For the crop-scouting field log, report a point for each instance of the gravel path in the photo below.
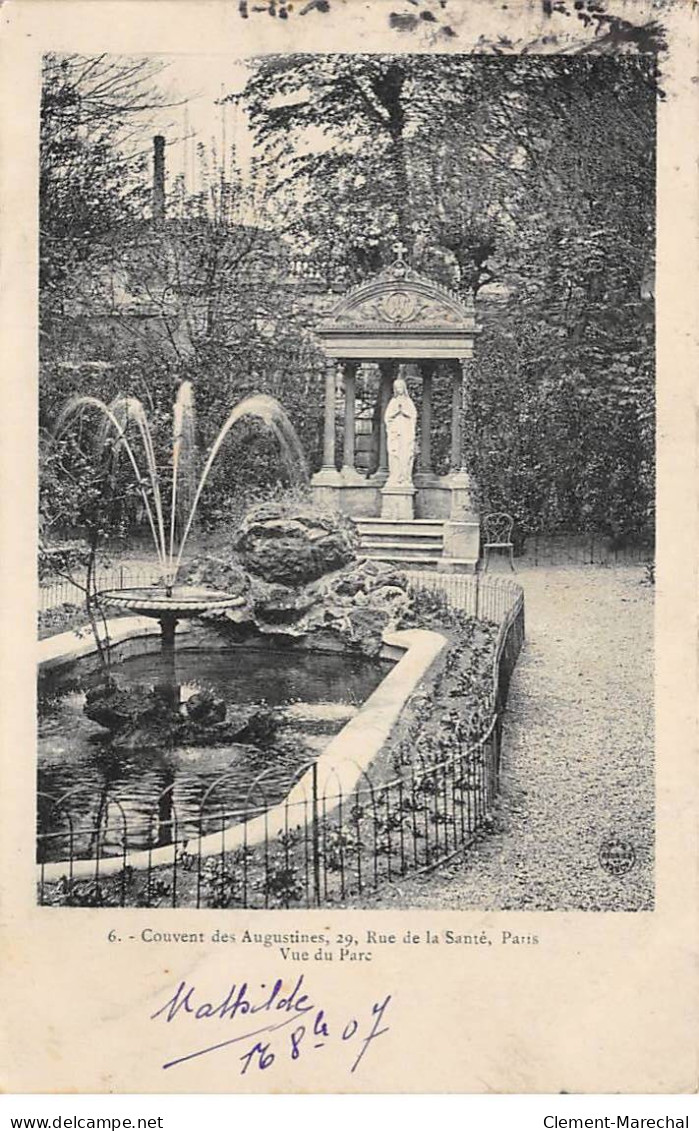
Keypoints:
(577, 765)
(577, 758)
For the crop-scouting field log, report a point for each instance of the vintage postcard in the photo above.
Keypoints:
(349, 543)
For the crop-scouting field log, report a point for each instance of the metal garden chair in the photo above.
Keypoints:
(497, 535)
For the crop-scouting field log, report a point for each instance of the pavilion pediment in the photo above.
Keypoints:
(399, 300)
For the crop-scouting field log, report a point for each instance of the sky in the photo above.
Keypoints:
(195, 83)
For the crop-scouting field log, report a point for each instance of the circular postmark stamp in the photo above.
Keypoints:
(617, 856)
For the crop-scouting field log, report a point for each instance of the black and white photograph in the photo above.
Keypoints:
(348, 463)
(347, 451)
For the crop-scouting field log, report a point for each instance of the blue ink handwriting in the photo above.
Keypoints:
(276, 1010)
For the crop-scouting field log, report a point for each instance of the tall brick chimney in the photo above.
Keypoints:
(158, 178)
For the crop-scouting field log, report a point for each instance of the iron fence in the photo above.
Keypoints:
(483, 597)
(582, 549)
(325, 844)
(63, 591)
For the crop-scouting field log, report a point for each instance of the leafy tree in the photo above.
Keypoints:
(339, 137)
(578, 324)
(204, 296)
(81, 490)
(91, 159)
(527, 181)
(531, 175)
(92, 188)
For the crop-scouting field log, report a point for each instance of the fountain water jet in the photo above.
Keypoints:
(168, 602)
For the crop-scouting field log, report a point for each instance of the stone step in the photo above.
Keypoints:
(402, 550)
(419, 545)
(399, 522)
(427, 541)
(421, 529)
(413, 560)
(401, 529)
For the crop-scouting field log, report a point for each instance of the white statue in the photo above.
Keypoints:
(400, 418)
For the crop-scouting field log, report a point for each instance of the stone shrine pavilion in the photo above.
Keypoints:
(400, 323)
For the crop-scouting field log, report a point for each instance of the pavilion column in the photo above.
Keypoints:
(468, 439)
(425, 460)
(330, 408)
(463, 499)
(456, 456)
(386, 390)
(350, 401)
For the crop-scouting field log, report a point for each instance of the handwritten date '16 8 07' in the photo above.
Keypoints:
(278, 1024)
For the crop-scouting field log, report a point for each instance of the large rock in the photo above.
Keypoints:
(304, 581)
(363, 579)
(363, 629)
(294, 548)
(274, 604)
(142, 717)
(348, 610)
(204, 707)
(360, 603)
(119, 709)
(210, 572)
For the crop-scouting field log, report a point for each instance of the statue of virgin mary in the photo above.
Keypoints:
(400, 418)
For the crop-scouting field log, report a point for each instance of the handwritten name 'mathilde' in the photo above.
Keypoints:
(235, 1002)
(273, 1009)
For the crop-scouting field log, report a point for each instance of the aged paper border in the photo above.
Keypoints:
(606, 1002)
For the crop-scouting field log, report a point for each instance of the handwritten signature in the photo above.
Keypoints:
(307, 1026)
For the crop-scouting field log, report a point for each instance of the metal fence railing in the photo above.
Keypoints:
(581, 549)
(481, 596)
(63, 591)
(322, 845)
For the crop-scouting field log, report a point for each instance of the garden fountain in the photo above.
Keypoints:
(168, 602)
(305, 720)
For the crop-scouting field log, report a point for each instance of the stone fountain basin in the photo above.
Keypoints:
(180, 602)
(338, 769)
